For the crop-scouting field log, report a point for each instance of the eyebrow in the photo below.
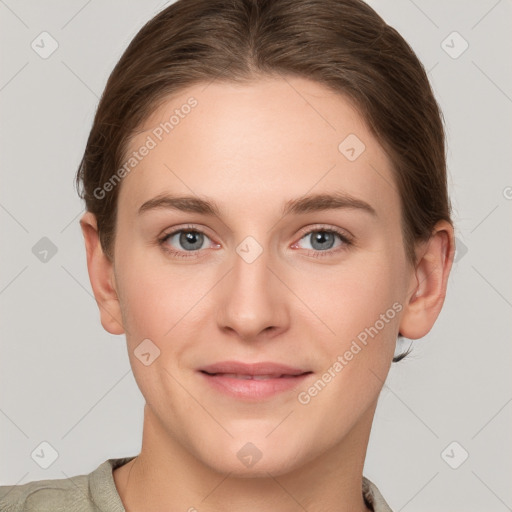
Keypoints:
(307, 204)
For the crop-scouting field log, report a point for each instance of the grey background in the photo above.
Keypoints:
(66, 381)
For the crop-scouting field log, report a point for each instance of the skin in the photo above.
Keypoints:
(251, 148)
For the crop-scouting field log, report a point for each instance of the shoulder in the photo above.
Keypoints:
(373, 497)
(45, 495)
(81, 493)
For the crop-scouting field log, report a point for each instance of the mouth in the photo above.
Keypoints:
(261, 369)
(245, 376)
(252, 382)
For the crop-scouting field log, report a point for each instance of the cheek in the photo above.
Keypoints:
(152, 297)
(362, 306)
(352, 298)
(158, 306)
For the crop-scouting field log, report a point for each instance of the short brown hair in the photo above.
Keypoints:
(342, 44)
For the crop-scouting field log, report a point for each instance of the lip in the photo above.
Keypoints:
(263, 368)
(281, 378)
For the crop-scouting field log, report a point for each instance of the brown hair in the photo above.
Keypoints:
(343, 44)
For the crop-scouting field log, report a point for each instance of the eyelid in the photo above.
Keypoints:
(322, 227)
(185, 227)
(188, 227)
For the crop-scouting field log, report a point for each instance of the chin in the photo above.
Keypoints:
(262, 469)
(247, 459)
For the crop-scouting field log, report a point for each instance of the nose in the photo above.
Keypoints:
(252, 301)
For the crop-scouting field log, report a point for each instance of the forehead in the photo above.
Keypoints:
(255, 144)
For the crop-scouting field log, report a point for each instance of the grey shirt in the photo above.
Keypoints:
(97, 492)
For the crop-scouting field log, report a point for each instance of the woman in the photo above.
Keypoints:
(267, 212)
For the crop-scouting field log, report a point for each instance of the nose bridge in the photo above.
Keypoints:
(251, 301)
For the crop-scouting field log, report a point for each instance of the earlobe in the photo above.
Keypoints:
(427, 287)
(101, 275)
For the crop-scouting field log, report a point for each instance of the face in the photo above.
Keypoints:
(288, 251)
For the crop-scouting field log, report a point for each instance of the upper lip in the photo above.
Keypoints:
(263, 368)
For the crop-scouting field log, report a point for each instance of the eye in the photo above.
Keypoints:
(182, 241)
(322, 240)
(188, 241)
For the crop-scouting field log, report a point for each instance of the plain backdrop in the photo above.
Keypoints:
(67, 382)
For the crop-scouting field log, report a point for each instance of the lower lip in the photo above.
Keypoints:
(251, 389)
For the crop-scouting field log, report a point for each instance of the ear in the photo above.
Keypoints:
(101, 275)
(427, 287)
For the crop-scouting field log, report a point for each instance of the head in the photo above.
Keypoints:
(250, 108)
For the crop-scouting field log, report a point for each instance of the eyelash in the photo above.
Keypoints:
(347, 242)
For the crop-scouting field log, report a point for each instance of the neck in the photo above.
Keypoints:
(166, 476)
